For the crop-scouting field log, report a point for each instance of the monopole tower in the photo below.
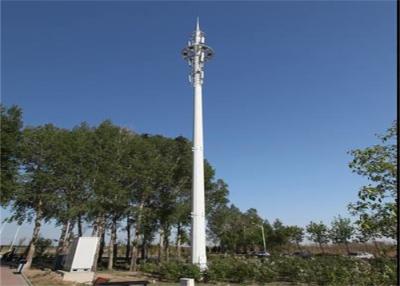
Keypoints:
(196, 54)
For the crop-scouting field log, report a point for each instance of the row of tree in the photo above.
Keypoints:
(241, 232)
(111, 178)
(104, 176)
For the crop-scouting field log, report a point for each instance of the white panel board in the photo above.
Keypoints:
(84, 253)
(81, 254)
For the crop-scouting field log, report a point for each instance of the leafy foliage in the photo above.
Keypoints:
(323, 270)
(174, 270)
(42, 245)
(376, 207)
(341, 231)
(105, 175)
(11, 124)
(296, 234)
(318, 233)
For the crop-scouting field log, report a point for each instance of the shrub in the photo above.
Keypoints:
(174, 270)
(266, 272)
(42, 244)
(337, 271)
(384, 271)
(234, 269)
(289, 269)
(149, 267)
(321, 270)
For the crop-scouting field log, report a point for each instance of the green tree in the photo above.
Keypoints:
(279, 236)
(253, 234)
(142, 160)
(11, 124)
(296, 234)
(110, 199)
(341, 231)
(376, 206)
(318, 233)
(182, 185)
(40, 193)
(225, 228)
(73, 170)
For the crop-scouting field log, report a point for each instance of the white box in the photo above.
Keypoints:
(186, 282)
(81, 254)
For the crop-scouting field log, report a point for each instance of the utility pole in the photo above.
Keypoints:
(196, 54)
(263, 236)
(15, 237)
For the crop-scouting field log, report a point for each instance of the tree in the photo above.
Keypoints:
(296, 235)
(182, 185)
(376, 206)
(11, 124)
(110, 199)
(40, 193)
(253, 234)
(225, 228)
(341, 231)
(279, 236)
(73, 169)
(107, 174)
(318, 233)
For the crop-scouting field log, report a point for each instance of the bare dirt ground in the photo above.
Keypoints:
(46, 278)
(50, 278)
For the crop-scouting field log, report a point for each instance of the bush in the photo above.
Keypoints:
(384, 271)
(290, 269)
(174, 270)
(322, 270)
(237, 270)
(338, 271)
(149, 267)
(42, 244)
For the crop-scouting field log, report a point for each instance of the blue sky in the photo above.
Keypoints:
(292, 88)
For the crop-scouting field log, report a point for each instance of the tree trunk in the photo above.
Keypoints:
(60, 246)
(378, 250)
(178, 241)
(115, 246)
(128, 238)
(68, 237)
(144, 249)
(102, 244)
(322, 248)
(27, 249)
(111, 246)
(79, 219)
(160, 246)
(95, 224)
(166, 244)
(35, 236)
(347, 247)
(63, 235)
(134, 256)
(134, 251)
(100, 233)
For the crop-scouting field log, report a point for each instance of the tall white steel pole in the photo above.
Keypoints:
(197, 53)
(15, 237)
(2, 227)
(263, 237)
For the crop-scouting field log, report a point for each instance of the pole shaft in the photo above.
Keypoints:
(198, 204)
(263, 236)
(15, 237)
